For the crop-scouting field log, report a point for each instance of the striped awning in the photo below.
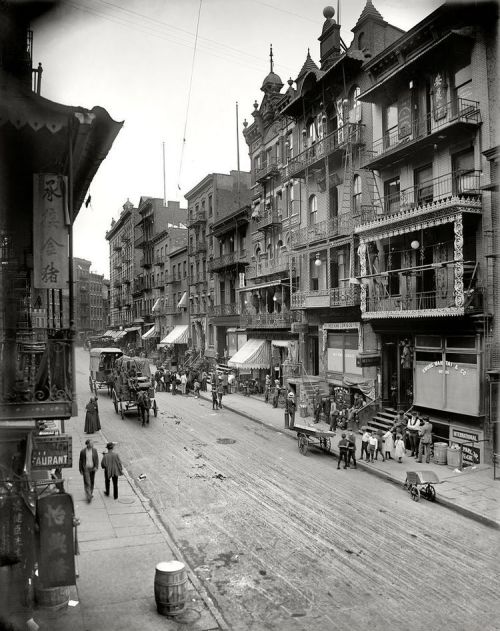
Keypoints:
(253, 354)
(280, 343)
(179, 335)
(149, 333)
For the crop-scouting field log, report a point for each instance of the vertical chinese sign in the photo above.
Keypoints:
(56, 561)
(50, 231)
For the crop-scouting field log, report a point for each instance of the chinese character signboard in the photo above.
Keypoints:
(439, 89)
(16, 531)
(51, 451)
(50, 231)
(56, 562)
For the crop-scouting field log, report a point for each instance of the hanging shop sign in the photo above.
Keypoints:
(16, 531)
(439, 89)
(362, 361)
(404, 117)
(56, 561)
(50, 231)
(50, 452)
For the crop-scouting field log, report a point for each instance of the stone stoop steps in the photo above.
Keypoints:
(383, 419)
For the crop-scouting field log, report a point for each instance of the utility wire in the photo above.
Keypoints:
(189, 96)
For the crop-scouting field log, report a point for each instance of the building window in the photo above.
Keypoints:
(313, 209)
(210, 206)
(356, 196)
(342, 351)
(392, 195)
(354, 104)
(422, 178)
(390, 124)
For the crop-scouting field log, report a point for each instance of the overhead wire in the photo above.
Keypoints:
(189, 96)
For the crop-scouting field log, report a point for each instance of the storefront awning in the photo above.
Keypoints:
(119, 334)
(149, 334)
(109, 333)
(179, 335)
(273, 283)
(183, 301)
(253, 354)
(131, 329)
(155, 306)
(280, 343)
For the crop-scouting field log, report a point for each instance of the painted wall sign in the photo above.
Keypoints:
(368, 360)
(50, 452)
(439, 88)
(444, 367)
(56, 561)
(50, 231)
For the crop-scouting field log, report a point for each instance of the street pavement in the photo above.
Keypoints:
(472, 492)
(121, 541)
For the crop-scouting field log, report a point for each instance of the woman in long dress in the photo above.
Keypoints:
(92, 423)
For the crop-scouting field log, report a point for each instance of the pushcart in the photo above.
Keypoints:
(313, 436)
(419, 483)
(101, 367)
(131, 376)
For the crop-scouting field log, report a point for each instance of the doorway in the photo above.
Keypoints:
(397, 371)
(313, 354)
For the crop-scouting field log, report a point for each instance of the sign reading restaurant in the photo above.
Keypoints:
(52, 451)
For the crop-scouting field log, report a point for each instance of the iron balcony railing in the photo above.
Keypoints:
(351, 132)
(222, 310)
(336, 226)
(267, 267)
(230, 258)
(267, 219)
(267, 320)
(435, 299)
(197, 217)
(40, 383)
(348, 296)
(267, 170)
(159, 260)
(457, 110)
(464, 185)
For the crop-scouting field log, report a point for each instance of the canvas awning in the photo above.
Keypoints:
(253, 354)
(131, 329)
(149, 333)
(183, 301)
(280, 343)
(109, 333)
(179, 335)
(119, 334)
(155, 306)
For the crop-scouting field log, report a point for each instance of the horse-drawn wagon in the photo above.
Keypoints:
(132, 386)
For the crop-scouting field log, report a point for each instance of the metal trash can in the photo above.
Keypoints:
(454, 457)
(440, 453)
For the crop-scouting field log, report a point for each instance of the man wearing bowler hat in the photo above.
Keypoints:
(112, 466)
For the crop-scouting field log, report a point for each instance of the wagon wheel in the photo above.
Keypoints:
(303, 444)
(415, 493)
(327, 444)
(115, 400)
(322, 442)
(155, 408)
(430, 493)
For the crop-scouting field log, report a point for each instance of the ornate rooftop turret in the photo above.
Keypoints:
(272, 83)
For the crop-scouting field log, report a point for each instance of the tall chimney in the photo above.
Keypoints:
(329, 39)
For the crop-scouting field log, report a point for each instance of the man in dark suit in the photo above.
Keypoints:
(88, 465)
(425, 445)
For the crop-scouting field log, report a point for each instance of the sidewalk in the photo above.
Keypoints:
(115, 589)
(472, 492)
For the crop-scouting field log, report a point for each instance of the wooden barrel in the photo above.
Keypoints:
(440, 453)
(170, 587)
(52, 598)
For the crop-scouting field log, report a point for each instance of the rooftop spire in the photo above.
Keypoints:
(271, 57)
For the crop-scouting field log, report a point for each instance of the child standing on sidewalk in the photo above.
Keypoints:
(388, 444)
(372, 446)
(399, 448)
(365, 440)
(380, 444)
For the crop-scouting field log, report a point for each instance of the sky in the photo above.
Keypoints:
(138, 60)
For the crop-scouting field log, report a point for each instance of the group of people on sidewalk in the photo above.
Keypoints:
(89, 464)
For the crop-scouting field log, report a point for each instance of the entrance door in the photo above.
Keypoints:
(314, 354)
(397, 371)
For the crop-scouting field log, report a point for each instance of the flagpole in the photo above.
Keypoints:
(164, 178)
(238, 153)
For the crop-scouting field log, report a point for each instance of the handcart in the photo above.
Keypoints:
(318, 435)
(421, 483)
(101, 367)
(132, 376)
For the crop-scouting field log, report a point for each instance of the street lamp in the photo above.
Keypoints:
(317, 261)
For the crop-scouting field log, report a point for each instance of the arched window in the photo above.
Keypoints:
(356, 195)
(361, 41)
(257, 251)
(313, 209)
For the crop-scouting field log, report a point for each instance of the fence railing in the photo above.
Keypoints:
(462, 184)
(456, 110)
